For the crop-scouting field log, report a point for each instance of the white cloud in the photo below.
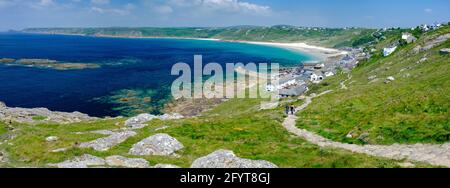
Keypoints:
(46, 2)
(163, 9)
(5, 3)
(121, 12)
(100, 2)
(428, 10)
(223, 5)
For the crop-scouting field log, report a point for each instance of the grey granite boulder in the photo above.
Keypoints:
(227, 159)
(120, 161)
(443, 51)
(166, 166)
(105, 143)
(51, 139)
(26, 115)
(139, 121)
(83, 161)
(159, 144)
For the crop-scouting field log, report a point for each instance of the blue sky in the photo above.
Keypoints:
(19, 14)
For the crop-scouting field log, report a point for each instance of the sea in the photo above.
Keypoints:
(134, 77)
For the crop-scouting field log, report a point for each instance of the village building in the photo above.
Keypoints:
(316, 77)
(409, 38)
(329, 73)
(293, 91)
(389, 50)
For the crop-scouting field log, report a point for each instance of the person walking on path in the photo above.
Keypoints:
(292, 110)
(287, 110)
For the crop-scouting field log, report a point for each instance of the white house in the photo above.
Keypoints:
(328, 74)
(286, 83)
(408, 37)
(270, 87)
(388, 51)
(316, 78)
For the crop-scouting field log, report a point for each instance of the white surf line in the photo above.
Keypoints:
(435, 154)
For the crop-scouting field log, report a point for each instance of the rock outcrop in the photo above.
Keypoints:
(389, 79)
(431, 43)
(27, 115)
(120, 161)
(139, 121)
(86, 161)
(48, 63)
(105, 143)
(83, 161)
(227, 159)
(166, 166)
(444, 51)
(51, 139)
(159, 144)
(7, 60)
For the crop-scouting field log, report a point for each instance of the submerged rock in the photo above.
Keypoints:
(159, 144)
(7, 60)
(227, 159)
(120, 161)
(48, 63)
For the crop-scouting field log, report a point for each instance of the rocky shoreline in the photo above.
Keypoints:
(42, 115)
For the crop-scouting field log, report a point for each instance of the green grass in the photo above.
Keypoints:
(412, 109)
(237, 125)
(39, 118)
(3, 129)
(409, 110)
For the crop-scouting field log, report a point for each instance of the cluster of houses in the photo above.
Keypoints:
(406, 38)
(295, 82)
(426, 28)
(409, 38)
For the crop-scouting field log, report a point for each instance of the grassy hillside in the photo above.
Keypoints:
(320, 36)
(236, 125)
(412, 109)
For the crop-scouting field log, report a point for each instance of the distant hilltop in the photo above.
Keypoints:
(321, 36)
(279, 33)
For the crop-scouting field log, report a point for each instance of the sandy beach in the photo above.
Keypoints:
(320, 52)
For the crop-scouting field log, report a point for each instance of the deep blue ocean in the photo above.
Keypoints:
(134, 76)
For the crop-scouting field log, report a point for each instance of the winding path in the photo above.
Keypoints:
(435, 154)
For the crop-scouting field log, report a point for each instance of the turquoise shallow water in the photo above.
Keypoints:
(134, 76)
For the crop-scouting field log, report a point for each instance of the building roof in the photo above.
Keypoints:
(294, 91)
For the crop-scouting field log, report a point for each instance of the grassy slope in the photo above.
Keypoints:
(409, 110)
(237, 125)
(413, 109)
